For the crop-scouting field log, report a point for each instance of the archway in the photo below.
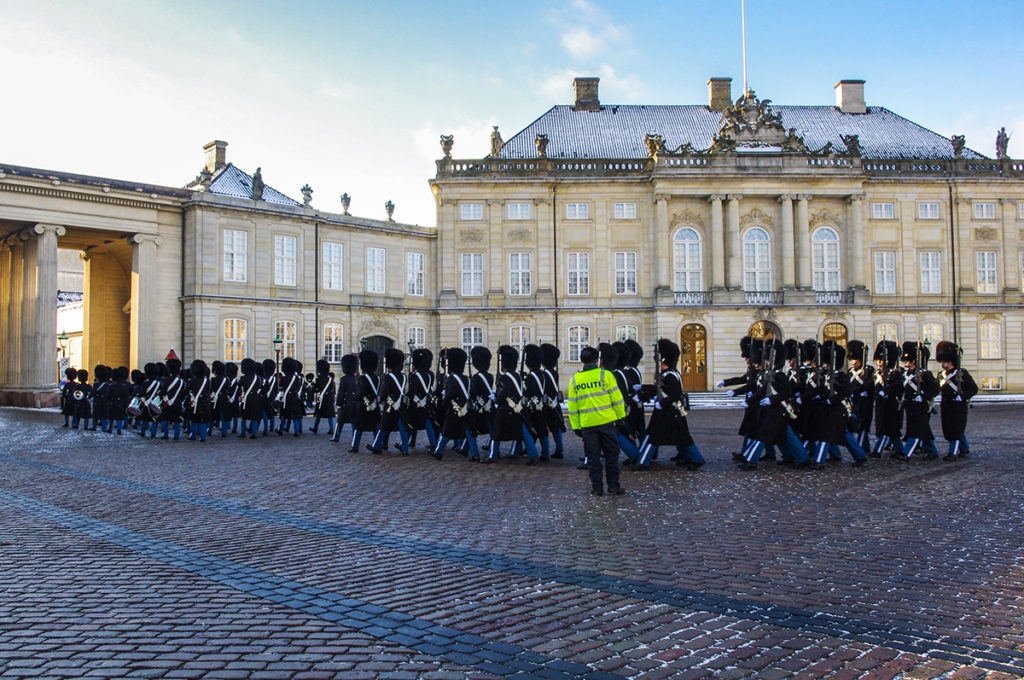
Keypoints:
(693, 364)
(765, 329)
(379, 344)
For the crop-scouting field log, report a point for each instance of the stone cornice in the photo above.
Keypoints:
(81, 196)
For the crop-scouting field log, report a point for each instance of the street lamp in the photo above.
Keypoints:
(62, 340)
(278, 342)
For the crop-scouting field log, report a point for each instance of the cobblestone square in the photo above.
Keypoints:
(291, 558)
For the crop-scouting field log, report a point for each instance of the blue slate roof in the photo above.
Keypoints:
(619, 131)
(230, 181)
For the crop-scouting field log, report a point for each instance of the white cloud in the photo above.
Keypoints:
(337, 91)
(590, 30)
(580, 43)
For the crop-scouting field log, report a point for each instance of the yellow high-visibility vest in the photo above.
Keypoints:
(594, 399)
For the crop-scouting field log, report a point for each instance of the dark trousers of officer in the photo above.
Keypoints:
(601, 442)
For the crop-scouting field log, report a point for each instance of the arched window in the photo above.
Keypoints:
(825, 259)
(836, 332)
(757, 263)
(765, 329)
(686, 258)
(334, 342)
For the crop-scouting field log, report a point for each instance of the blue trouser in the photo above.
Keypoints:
(111, 424)
(296, 425)
(381, 440)
(526, 441)
(268, 423)
(791, 448)
(316, 425)
(167, 426)
(75, 420)
(470, 440)
(254, 427)
(862, 439)
(628, 447)
(881, 442)
(926, 445)
(689, 454)
(557, 434)
(200, 429)
(852, 445)
(958, 446)
(357, 436)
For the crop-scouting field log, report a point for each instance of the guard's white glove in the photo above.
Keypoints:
(636, 398)
(635, 388)
(730, 393)
(881, 393)
(720, 384)
(828, 401)
(958, 398)
(799, 400)
(863, 394)
(766, 402)
(657, 405)
(749, 395)
(918, 398)
(492, 396)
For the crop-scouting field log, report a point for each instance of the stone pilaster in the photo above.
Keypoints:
(662, 248)
(803, 240)
(855, 255)
(717, 241)
(735, 270)
(788, 243)
(144, 309)
(15, 282)
(39, 307)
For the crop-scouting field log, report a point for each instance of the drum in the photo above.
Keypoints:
(134, 407)
(156, 405)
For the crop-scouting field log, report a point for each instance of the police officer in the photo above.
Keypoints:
(595, 404)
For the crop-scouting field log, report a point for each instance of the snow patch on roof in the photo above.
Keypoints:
(230, 181)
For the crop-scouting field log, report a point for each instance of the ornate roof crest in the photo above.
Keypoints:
(752, 120)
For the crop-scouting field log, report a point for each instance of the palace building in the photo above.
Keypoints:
(701, 223)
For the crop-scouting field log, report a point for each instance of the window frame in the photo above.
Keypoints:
(521, 341)
(376, 274)
(235, 255)
(234, 348)
(684, 251)
(472, 343)
(822, 269)
(622, 332)
(576, 345)
(927, 204)
(464, 272)
(882, 328)
(415, 278)
(626, 275)
(757, 272)
(882, 270)
(623, 214)
(980, 210)
(520, 278)
(928, 335)
(937, 269)
(573, 210)
(987, 277)
(287, 343)
(990, 348)
(883, 210)
(475, 211)
(577, 274)
(415, 337)
(333, 280)
(285, 264)
(334, 346)
(521, 208)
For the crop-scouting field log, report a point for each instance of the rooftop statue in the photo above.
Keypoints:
(959, 143)
(542, 145)
(496, 142)
(1002, 142)
(446, 145)
(257, 185)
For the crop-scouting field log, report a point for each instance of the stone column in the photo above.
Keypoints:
(5, 311)
(543, 266)
(1010, 281)
(735, 270)
(14, 292)
(855, 255)
(717, 241)
(447, 244)
(788, 243)
(663, 251)
(39, 308)
(803, 240)
(144, 308)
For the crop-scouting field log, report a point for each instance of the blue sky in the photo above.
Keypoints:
(352, 96)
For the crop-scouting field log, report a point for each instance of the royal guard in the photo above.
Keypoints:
(481, 391)
(919, 390)
(553, 397)
(421, 390)
(888, 393)
(957, 388)
(349, 405)
(250, 398)
(367, 389)
(668, 424)
(456, 423)
(862, 391)
(200, 404)
(509, 422)
(393, 386)
(533, 388)
(323, 396)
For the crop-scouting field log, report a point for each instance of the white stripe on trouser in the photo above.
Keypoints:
(820, 451)
(914, 442)
(956, 447)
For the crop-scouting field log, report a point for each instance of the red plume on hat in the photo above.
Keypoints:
(171, 355)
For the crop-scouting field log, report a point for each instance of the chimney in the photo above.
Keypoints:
(216, 155)
(719, 93)
(586, 94)
(850, 96)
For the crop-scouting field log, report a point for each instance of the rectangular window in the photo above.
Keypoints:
(414, 273)
(579, 337)
(375, 271)
(416, 337)
(927, 211)
(624, 211)
(472, 336)
(520, 336)
(472, 274)
(885, 273)
(333, 253)
(986, 260)
(579, 274)
(990, 341)
(885, 331)
(883, 211)
(472, 211)
(984, 211)
(286, 331)
(236, 247)
(931, 333)
(991, 384)
(334, 342)
(519, 211)
(625, 273)
(623, 333)
(284, 260)
(577, 211)
(931, 274)
(519, 274)
(234, 339)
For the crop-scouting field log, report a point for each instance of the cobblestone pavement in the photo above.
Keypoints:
(290, 558)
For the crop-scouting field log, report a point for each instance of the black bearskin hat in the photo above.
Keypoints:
(609, 355)
(623, 350)
(756, 350)
(162, 368)
(199, 369)
(174, 366)
(779, 355)
(368, 361)
(832, 353)
(636, 352)
(269, 368)
(532, 357)
(456, 360)
(809, 350)
(792, 349)
(248, 366)
(83, 375)
(745, 346)
(350, 364)
(508, 357)
(589, 355)
(888, 351)
(101, 372)
(912, 350)
(948, 351)
(856, 350)
(298, 366)
(481, 358)
(231, 370)
(152, 370)
(669, 352)
(217, 368)
(138, 377)
(394, 359)
(119, 374)
(323, 366)
(550, 355)
(70, 373)
(422, 358)
(288, 366)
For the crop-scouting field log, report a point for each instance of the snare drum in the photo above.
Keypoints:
(134, 407)
(156, 405)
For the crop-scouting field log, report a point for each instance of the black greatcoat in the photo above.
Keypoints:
(366, 393)
(230, 408)
(174, 391)
(269, 393)
(250, 397)
(553, 416)
(887, 408)
(635, 414)
(533, 383)
(323, 396)
(747, 386)
(220, 392)
(919, 383)
(101, 400)
(481, 407)
(392, 398)
(813, 409)
(349, 405)
(957, 383)
(80, 395)
(200, 405)
(454, 402)
(119, 394)
(67, 402)
(292, 388)
(833, 428)
(862, 397)
(668, 425)
(508, 419)
(772, 420)
(421, 384)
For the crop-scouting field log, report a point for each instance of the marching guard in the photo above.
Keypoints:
(888, 394)
(957, 388)
(391, 397)
(420, 392)
(668, 421)
(919, 389)
(553, 397)
(367, 389)
(509, 422)
(862, 391)
(323, 396)
(454, 406)
(349, 405)
(481, 391)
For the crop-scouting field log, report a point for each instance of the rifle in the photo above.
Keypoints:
(658, 376)
(520, 406)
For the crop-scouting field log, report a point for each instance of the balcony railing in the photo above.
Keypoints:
(763, 297)
(693, 298)
(833, 297)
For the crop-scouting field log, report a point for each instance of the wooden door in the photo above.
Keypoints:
(693, 364)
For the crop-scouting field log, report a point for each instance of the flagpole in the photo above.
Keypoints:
(743, 23)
